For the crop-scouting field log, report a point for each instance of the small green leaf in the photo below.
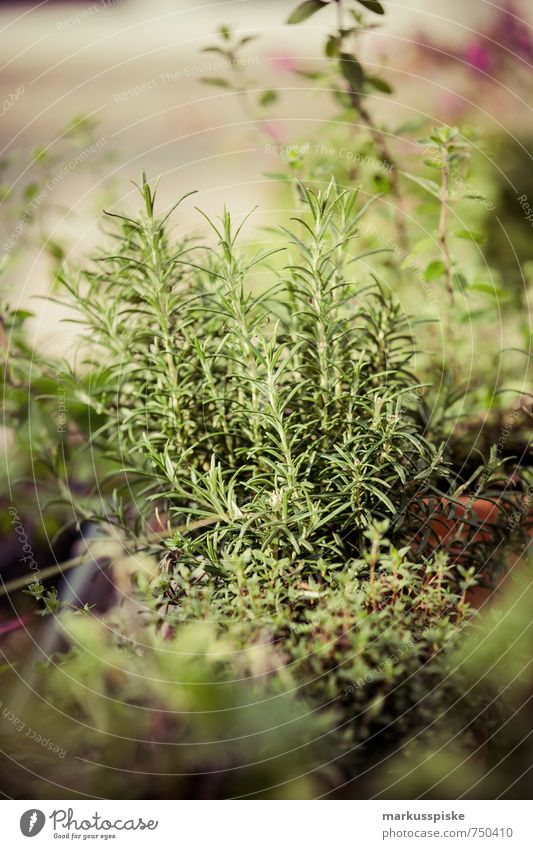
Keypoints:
(372, 6)
(422, 245)
(433, 270)
(352, 71)
(55, 250)
(216, 81)
(268, 97)
(305, 10)
(460, 280)
(490, 289)
(217, 50)
(379, 84)
(429, 185)
(470, 236)
(39, 154)
(23, 314)
(309, 75)
(332, 47)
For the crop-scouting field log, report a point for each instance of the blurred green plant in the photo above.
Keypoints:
(481, 748)
(279, 457)
(272, 683)
(284, 421)
(265, 449)
(442, 268)
(157, 719)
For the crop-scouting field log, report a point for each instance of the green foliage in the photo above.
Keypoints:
(281, 671)
(368, 641)
(194, 717)
(285, 420)
(259, 430)
(275, 437)
(481, 748)
(305, 10)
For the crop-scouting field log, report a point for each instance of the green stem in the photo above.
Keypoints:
(443, 228)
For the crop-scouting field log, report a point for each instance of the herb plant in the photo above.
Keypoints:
(284, 421)
(267, 464)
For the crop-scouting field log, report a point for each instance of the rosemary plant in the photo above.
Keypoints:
(283, 421)
(265, 448)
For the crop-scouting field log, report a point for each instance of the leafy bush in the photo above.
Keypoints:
(367, 641)
(283, 421)
(272, 682)
(479, 748)
(271, 448)
(157, 719)
(272, 442)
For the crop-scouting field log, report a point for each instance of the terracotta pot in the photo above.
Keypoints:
(474, 520)
(484, 514)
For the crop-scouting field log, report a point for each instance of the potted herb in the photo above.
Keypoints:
(281, 503)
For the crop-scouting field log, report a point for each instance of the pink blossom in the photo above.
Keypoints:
(477, 55)
(14, 624)
(274, 131)
(283, 63)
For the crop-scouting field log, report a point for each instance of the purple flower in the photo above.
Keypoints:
(510, 31)
(478, 56)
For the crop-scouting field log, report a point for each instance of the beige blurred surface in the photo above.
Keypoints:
(136, 67)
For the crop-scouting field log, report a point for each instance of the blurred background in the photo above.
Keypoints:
(134, 69)
(95, 92)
